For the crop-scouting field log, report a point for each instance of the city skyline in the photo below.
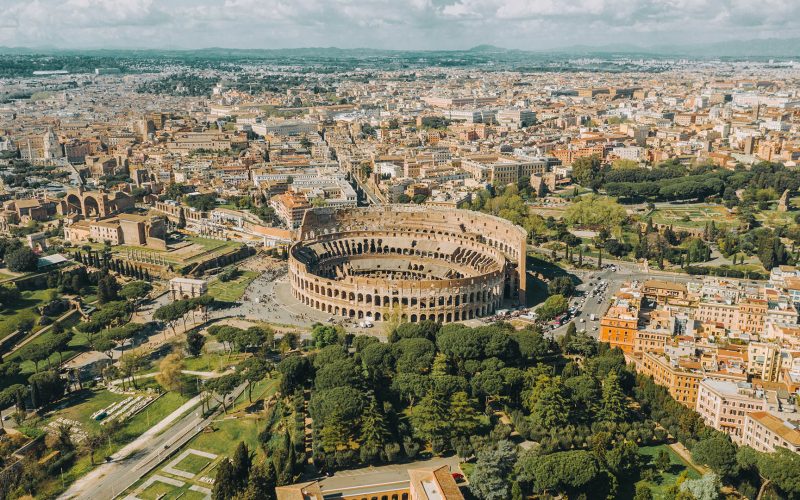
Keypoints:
(414, 24)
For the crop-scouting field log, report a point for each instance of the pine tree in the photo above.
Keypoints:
(262, 483)
(431, 417)
(440, 365)
(613, 405)
(374, 432)
(241, 466)
(224, 483)
(464, 418)
(335, 434)
(181, 219)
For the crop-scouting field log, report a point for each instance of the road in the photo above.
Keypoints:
(136, 459)
(372, 198)
(598, 305)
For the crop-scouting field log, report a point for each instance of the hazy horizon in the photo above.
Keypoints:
(391, 25)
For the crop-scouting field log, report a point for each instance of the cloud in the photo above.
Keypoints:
(388, 23)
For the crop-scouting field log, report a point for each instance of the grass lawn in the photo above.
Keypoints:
(86, 402)
(159, 490)
(227, 434)
(24, 308)
(231, 291)
(694, 215)
(76, 344)
(666, 479)
(150, 416)
(193, 463)
(208, 243)
(82, 404)
(209, 362)
(261, 389)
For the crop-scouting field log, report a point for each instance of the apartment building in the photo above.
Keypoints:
(723, 405)
(680, 377)
(661, 291)
(750, 318)
(501, 169)
(765, 431)
(290, 207)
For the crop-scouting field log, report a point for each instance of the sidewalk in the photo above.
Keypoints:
(103, 469)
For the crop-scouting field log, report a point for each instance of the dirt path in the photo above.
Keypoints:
(687, 457)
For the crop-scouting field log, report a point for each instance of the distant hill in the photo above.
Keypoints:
(762, 48)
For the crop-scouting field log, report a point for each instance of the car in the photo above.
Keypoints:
(458, 477)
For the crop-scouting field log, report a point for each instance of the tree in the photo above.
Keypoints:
(240, 466)
(295, 372)
(129, 363)
(224, 482)
(662, 461)
(170, 374)
(643, 492)
(107, 289)
(464, 418)
(253, 370)
(570, 472)
(782, 468)
(374, 432)
(555, 305)
(171, 313)
(719, 453)
(414, 355)
(550, 408)
(588, 171)
(91, 443)
(181, 219)
(194, 343)
(411, 386)
(222, 387)
(342, 372)
(431, 419)
(623, 459)
(21, 259)
(561, 285)
(135, 291)
(46, 387)
(489, 478)
(261, 485)
(614, 404)
(324, 335)
(705, 488)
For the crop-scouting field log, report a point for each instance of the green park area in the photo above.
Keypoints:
(660, 481)
(81, 405)
(23, 310)
(231, 291)
(187, 472)
(695, 215)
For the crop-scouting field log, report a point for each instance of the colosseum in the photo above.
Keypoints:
(417, 262)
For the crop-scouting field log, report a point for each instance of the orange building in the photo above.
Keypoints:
(751, 316)
(619, 327)
(681, 379)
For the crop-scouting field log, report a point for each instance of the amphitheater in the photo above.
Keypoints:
(416, 262)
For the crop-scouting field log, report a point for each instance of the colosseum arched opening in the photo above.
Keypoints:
(414, 262)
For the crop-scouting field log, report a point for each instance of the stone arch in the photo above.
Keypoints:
(74, 203)
(91, 207)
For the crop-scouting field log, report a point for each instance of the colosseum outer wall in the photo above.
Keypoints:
(422, 262)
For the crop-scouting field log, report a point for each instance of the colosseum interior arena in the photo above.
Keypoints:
(417, 262)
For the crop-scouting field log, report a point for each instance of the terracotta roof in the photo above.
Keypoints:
(777, 426)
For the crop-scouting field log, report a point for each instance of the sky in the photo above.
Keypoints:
(389, 24)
